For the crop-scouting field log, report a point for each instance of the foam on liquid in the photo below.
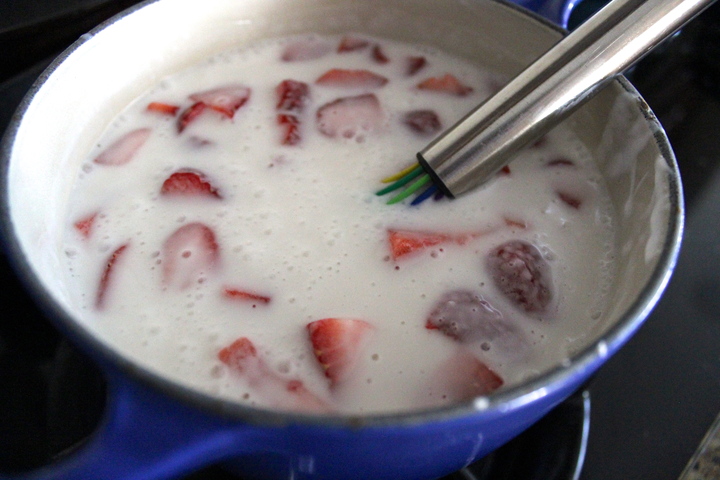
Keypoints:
(302, 224)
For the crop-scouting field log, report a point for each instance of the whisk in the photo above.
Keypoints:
(470, 152)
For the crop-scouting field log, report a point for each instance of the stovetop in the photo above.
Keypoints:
(640, 417)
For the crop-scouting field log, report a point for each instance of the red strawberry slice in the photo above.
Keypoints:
(226, 100)
(124, 149)
(189, 183)
(189, 115)
(405, 242)
(424, 122)
(163, 108)
(189, 253)
(292, 96)
(349, 117)
(466, 316)
(304, 50)
(414, 65)
(338, 344)
(85, 225)
(379, 55)
(339, 77)
(505, 171)
(447, 84)
(463, 376)
(351, 44)
(242, 357)
(107, 274)
(569, 199)
(245, 295)
(520, 272)
(290, 125)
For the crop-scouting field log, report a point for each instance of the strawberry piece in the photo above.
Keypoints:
(466, 316)
(124, 149)
(188, 183)
(188, 253)
(348, 117)
(378, 55)
(515, 223)
(163, 108)
(85, 225)
(463, 376)
(292, 96)
(226, 100)
(505, 170)
(352, 44)
(520, 272)
(245, 295)
(569, 199)
(414, 65)
(405, 242)
(106, 277)
(424, 122)
(304, 50)
(337, 344)
(291, 129)
(448, 84)
(339, 77)
(242, 357)
(189, 115)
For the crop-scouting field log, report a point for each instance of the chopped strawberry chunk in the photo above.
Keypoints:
(463, 376)
(379, 55)
(351, 44)
(106, 277)
(448, 84)
(292, 96)
(505, 170)
(466, 316)
(424, 122)
(85, 225)
(242, 357)
(124, 149)
(338, 77)
(189, 253)
(348, 117)
(414, 65)
(520, 272)
(338, 344)
(226, 100)
(291, 129)
(569, 199)
(405, 242)
(188, 183)
(304, 50)
(189, 115)
(515, 223)
(245, 295)
(164, 108)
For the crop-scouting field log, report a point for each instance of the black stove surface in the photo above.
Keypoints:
(651, 403)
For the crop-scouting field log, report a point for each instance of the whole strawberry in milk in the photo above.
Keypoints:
(225, 233)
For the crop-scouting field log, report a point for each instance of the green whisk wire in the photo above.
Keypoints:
(410, 190)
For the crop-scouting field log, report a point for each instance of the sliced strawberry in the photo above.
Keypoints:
(338, 344)
(505, 170)
(424, 122)
(463, 376)
(515, 223)
(189, 115)
(303, 50)
(569, 199)
(351, 44)
(520, 272)
(245, 295)
(124, 149)
(350, 116)
(106, 277)
(242, 357)
(338, 77)
(163, 108)
(448, 84)
(290, 125)
(405, 242)
(188, 183)
(414, 65)
(226, 100)
(292, 96)
(379, 55)
(85, 225)
(189, 253)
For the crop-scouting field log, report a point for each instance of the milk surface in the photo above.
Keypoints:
(301, 225)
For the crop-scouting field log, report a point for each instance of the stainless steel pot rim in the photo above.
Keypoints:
(505, 400)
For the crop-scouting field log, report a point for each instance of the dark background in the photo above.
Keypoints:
(651, 403)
